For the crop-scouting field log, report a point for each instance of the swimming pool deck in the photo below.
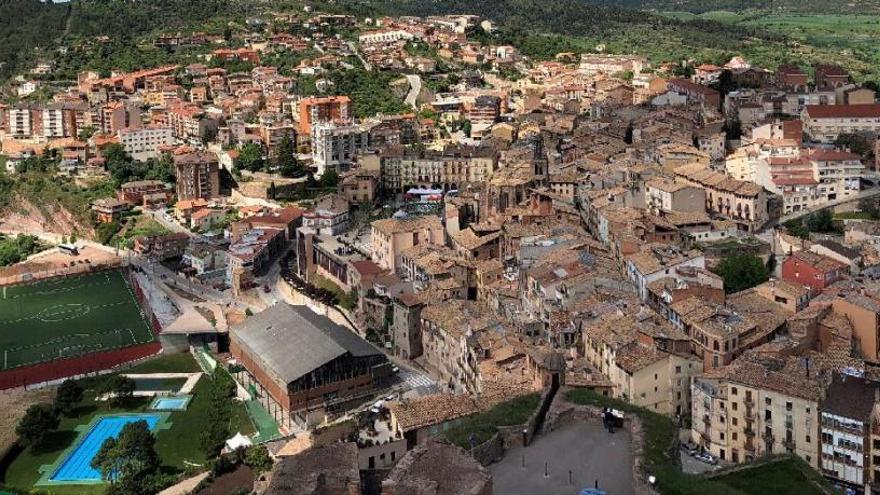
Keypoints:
(83, 431)
(155, 405)
(188, 386)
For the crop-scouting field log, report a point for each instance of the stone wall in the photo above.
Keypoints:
(490, 451)
(508, 437)
(563, 413)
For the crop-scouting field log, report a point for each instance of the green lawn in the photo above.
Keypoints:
(69, 316)
(176, 446)
(180, 362)
(485, 424)
(788, 476)
(162, 384)
(848, 39)
(854, 215)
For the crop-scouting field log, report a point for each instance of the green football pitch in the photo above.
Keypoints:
(68, 317)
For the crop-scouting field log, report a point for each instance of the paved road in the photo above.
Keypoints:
(415, 87)
(585, 449)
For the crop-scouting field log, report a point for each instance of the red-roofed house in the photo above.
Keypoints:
(812, 270)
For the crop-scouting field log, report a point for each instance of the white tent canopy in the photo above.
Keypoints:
(238, 441)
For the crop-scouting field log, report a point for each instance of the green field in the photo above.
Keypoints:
(68, 317)
(847, 39)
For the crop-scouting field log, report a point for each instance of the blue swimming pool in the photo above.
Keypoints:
(178, 403)
(77, 465)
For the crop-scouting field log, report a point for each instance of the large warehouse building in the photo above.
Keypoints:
(304, 366)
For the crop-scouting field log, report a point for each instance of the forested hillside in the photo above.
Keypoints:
(697, 6)
(29, 24)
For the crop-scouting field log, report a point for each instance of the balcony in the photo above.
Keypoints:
(749, 432)
(789, 444)
(748, 401)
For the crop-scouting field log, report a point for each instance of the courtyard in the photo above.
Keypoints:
(586, 450)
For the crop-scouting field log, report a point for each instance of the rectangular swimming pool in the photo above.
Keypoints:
(77, 465)
(177, 403)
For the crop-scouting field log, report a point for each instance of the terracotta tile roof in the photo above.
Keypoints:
(431, 410)
(869, 110)
(635, 357)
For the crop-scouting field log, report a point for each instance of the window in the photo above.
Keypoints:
(788, 406)
(733, 391)
(677, 370)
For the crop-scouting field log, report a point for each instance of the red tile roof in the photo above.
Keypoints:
(867, 110)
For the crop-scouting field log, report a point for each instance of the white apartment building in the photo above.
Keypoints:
(52, 123)
(824, 123)
(145, 143)
(337, 146)
(384, 36)
(838, 173)
(19, 122)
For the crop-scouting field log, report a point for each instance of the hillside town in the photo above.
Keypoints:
(699, 242)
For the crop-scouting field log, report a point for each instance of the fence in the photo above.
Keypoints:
(35, 271)
(75, 367)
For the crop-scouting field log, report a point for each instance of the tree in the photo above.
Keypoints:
(223, 389)
(69, 394)
(86, 132)
(869, 206)
(859, 143)
(329, 179)
(129, 458)
(285, 158)
(820, 221)
(741, 271)
(120, 388)
(250, 158)
(257, 457)
(37, 423)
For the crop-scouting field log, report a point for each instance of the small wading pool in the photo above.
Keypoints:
(170, 403)
(76, 467)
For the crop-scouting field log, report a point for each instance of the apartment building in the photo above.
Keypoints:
(761, 404)
(662, 194)
(384, 36)
(647, 360)
(746, 203)
(326, 109)
(446, 329)
(656, 261)
(198, 175)
(591, 64)
(846, 430)
(336, 146)
(146, 142)
(838, 172)
(452, 168)
(824, 123)
(390, 237)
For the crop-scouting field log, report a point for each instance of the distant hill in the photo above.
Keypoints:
(699, 6)
(29, 24)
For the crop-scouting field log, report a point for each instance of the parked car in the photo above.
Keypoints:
(690, 448)
(706, 457)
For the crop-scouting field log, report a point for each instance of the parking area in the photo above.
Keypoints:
(575, 456)
(691, 465)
